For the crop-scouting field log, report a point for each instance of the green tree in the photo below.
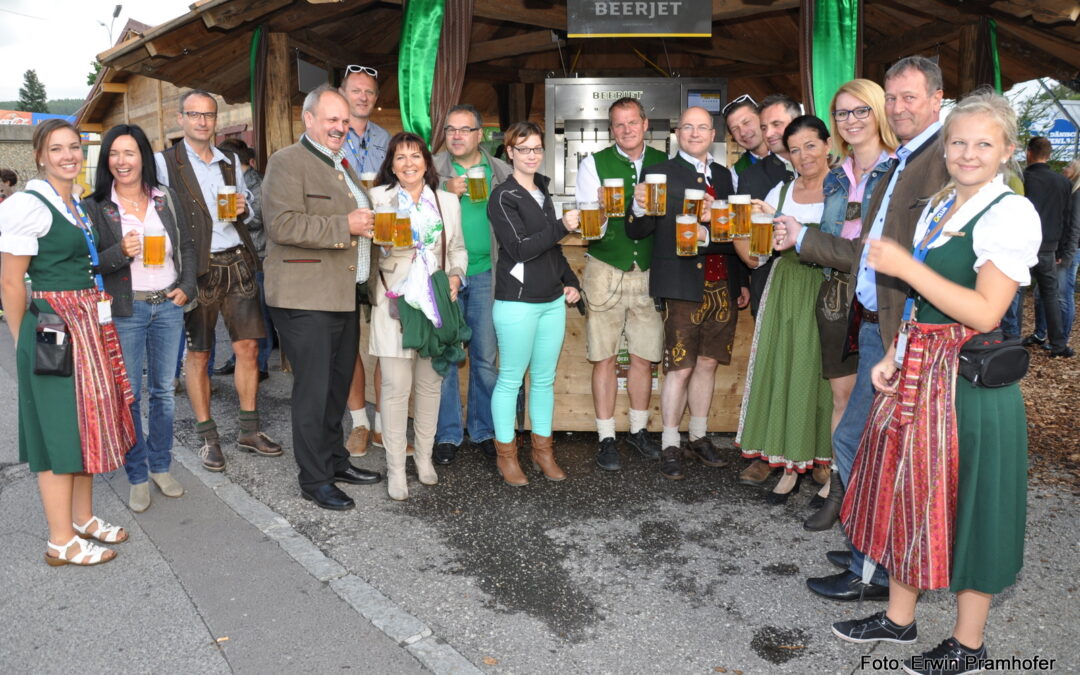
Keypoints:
(32, 94)
(1036, 111)
(95, 68)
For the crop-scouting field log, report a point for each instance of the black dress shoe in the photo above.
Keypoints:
(1064, 353)
(264, 375)
(227, 369)
(670, 464)
(357, 476)
(607, 457)
(705, 451)
(778, 498)
(846, 587)
(643, 442)
(329, 496)
(841, 559)
(445, 453)
(1033, 339)
(824, 518)
(488, 448)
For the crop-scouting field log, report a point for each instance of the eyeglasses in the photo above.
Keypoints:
(462, 131)
(362, 69)
(193, 115)
(689, 128)
(538, 150)
(745, 98)
(860, 113)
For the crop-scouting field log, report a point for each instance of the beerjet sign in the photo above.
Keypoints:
(638, 18)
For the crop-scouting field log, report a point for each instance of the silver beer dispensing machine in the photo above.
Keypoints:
(576, 117)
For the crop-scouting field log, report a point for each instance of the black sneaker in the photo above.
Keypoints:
(875, 628)
(488, 448)
(1033, 339)
(948, 658)
(644, 444)
(1064, 352)
(670, 464)
(445, 453)
(607, 457)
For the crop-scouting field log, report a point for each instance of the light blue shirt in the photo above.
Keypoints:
(210, 179)
(366, 153)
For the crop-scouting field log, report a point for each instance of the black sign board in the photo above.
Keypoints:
(638, 18)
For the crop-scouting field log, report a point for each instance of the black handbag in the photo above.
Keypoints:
(992, 360)
(52, 347)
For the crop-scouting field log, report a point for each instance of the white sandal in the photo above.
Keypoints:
(89, 554)
(105, 533)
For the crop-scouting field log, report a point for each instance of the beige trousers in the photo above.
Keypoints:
(400, 378)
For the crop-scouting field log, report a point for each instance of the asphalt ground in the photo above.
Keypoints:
(601, 573)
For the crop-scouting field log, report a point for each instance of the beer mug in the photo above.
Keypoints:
(614, 197)
(477, 184)
(226, 203)
(720, 224)
(686, 233)
(403, 230)
(367, 180)
(761, 231)
(592, 221)
(655, 194)
(384, 225)
(153, 253)
(692, 202)
(740, 216)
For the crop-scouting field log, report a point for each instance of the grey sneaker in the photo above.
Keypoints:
(948, 658)
(875, 628)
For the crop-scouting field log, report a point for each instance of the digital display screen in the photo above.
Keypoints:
(710, 99)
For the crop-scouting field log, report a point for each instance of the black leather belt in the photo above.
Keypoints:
(228, 251)
(152, 297)
(870, 317)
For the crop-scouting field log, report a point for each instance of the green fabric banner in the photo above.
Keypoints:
(835, 44)
(421, 28)
(995, 56)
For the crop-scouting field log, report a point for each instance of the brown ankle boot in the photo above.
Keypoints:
(543, 457)
(507, 461)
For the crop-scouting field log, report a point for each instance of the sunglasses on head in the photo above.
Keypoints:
(362, 69)
(745, 98)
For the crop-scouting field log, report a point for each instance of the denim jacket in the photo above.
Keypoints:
(835, 188)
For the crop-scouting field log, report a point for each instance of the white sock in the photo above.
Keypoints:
(697, 427)
(359, 418)
(605, 428)
(670, 438)
(378, 422)
(639, 419)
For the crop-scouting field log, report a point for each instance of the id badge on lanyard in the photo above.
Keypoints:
(104, 305)
(919, 254)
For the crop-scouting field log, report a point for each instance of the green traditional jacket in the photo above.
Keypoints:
(616, 248)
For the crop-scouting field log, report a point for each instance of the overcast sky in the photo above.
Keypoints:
(59, 39)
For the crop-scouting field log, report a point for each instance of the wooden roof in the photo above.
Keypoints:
(754, 44)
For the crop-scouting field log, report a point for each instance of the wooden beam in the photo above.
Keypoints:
(965, 66)
(92, 128)
(160, 116)
(526, 43)
(278, 94)
(308, 41)
(232, 14)
(302, 14)
(939, 11)
(722, 10)
(524, 12)
(114, 87)
(1043, 11)
(1043, 40)
(911, 42)
(187, 39)
(735, 50)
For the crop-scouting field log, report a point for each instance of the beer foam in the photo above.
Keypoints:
(613, 182)
(739, 199)
(694, 194)
(655, 178)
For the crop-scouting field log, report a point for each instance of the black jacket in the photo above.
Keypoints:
(115, 266)
(1051, 193)
(670, 275)
(757, 181)
(530, 235)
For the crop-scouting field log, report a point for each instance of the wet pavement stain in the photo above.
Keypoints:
(779, 645)
(782, 569)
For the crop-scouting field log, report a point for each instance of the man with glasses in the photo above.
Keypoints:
(616, 287)
(744, 123)
(463, 153)
(227, 265)
(699, 315)
(365, 149)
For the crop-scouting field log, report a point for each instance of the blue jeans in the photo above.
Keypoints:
(1066, 272)
(850, 430)
(476, 303)
(1011, 322)
(151, 335)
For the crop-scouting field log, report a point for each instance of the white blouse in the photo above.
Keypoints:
(804, 213)
(24, 218)
(1009, 234)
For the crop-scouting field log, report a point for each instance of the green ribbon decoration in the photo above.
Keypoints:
(253, 57)
(421, 28)
(836, 35)
(994, 55)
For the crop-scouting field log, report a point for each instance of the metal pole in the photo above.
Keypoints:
(1057, 102)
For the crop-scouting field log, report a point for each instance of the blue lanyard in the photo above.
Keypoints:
(921, 251)
(363, 146)
(83, 223)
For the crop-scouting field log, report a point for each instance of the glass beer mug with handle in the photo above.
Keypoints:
(740, 215)
(153, 253)
(383, 234)
(476, 182)
(686, 234)
(692, 202)
(403, 227)
(761, 233)
(592, 221)
(720, 225)
(367, 180)
(226, 203)
(614, 197)
(655, 194)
